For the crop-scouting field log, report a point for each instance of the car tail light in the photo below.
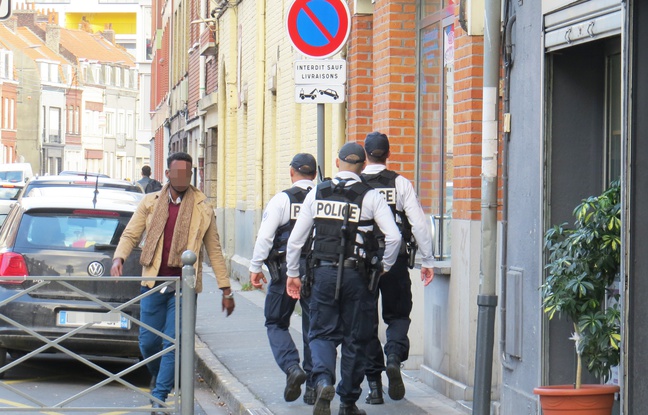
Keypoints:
(12, 265)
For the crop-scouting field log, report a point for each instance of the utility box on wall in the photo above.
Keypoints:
(471, 16)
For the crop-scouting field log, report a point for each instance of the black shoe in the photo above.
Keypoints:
(294, 379)
(156, 405)
(325, 394)
(396, 386)
(310, 395)
(375, 396)
(350, 409)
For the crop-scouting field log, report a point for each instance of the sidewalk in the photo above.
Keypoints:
(234, 358)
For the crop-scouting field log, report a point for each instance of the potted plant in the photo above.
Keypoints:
(583, 263)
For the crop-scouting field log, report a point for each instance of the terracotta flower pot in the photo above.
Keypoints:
(588, 400)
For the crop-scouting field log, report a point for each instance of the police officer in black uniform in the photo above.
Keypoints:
(343, 211)
(278, 220)
(395, 286)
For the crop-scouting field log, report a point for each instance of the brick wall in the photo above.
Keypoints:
(360, 78)
(394, 74)
(469, 60)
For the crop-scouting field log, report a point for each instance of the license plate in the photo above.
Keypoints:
(99, 320)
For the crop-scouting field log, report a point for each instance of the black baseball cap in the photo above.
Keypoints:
(376, 144)
(304, 163)
(352, 153)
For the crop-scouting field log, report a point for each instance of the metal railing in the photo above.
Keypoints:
(185, 329)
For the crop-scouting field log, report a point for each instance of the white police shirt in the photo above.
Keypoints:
(373, 207)
(407, 201)
(276, 214)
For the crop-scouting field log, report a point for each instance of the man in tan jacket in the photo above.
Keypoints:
(175, 219)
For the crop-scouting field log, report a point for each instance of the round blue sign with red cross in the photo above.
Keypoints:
(318, 28)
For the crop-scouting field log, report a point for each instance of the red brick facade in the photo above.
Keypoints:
(382, 90)
(360, 78)
(394, 75)
(469, 59)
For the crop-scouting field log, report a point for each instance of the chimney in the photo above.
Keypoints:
(53, 37)
(108, 33)
(25, 18)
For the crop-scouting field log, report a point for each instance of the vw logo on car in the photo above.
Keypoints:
(95, 269)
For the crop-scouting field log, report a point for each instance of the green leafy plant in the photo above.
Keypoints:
(583, 264)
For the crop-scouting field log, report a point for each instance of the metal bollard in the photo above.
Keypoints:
(188, 332)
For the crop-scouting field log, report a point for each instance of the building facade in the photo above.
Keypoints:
(571, 90)
(127, 24)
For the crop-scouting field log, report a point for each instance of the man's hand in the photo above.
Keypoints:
(293, 286)
(256, 278)
(427, 275)
(117, 266)
(227, 304)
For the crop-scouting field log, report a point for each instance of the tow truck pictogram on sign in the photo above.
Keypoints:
(319, 94)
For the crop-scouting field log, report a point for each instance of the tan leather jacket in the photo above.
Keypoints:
(202, 232)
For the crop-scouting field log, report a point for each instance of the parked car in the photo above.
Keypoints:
(78, 181)
(8, 196)
(15, 172)
(82, 173)
(63, 233)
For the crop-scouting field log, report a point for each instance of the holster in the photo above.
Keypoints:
(374, 271)
(412, 247)
(308, 277)
(274, 267)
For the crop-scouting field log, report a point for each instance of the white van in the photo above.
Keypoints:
(15, 172)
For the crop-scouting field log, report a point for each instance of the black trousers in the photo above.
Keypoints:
(278, 309)
(346, 321)
(395, 290)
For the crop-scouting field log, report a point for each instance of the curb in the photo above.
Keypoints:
(235, 394)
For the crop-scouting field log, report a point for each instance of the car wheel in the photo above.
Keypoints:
(3, 360)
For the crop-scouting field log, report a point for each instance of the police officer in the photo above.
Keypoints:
(395, 286)
(278, 220)
(343, 211)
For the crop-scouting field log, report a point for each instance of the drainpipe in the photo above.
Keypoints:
(487, 299)
(508, 65)
(260, 103)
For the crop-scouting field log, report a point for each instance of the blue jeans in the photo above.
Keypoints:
(158, 311)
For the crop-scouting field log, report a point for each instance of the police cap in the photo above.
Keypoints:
(304, 163)
(376, 144)
(352, 153)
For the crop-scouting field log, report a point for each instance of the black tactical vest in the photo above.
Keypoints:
(385, 183)
(331, 205)
(296, 195)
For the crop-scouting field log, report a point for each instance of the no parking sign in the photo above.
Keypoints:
(318, 28)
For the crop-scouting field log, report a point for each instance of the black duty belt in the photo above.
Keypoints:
(348, 263)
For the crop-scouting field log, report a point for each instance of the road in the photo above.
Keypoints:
(52, 379)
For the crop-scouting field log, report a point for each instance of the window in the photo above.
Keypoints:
(70, 119)
(110, 127)
(77, 120)
(5, 113)
(54, 133)
(435, 167)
